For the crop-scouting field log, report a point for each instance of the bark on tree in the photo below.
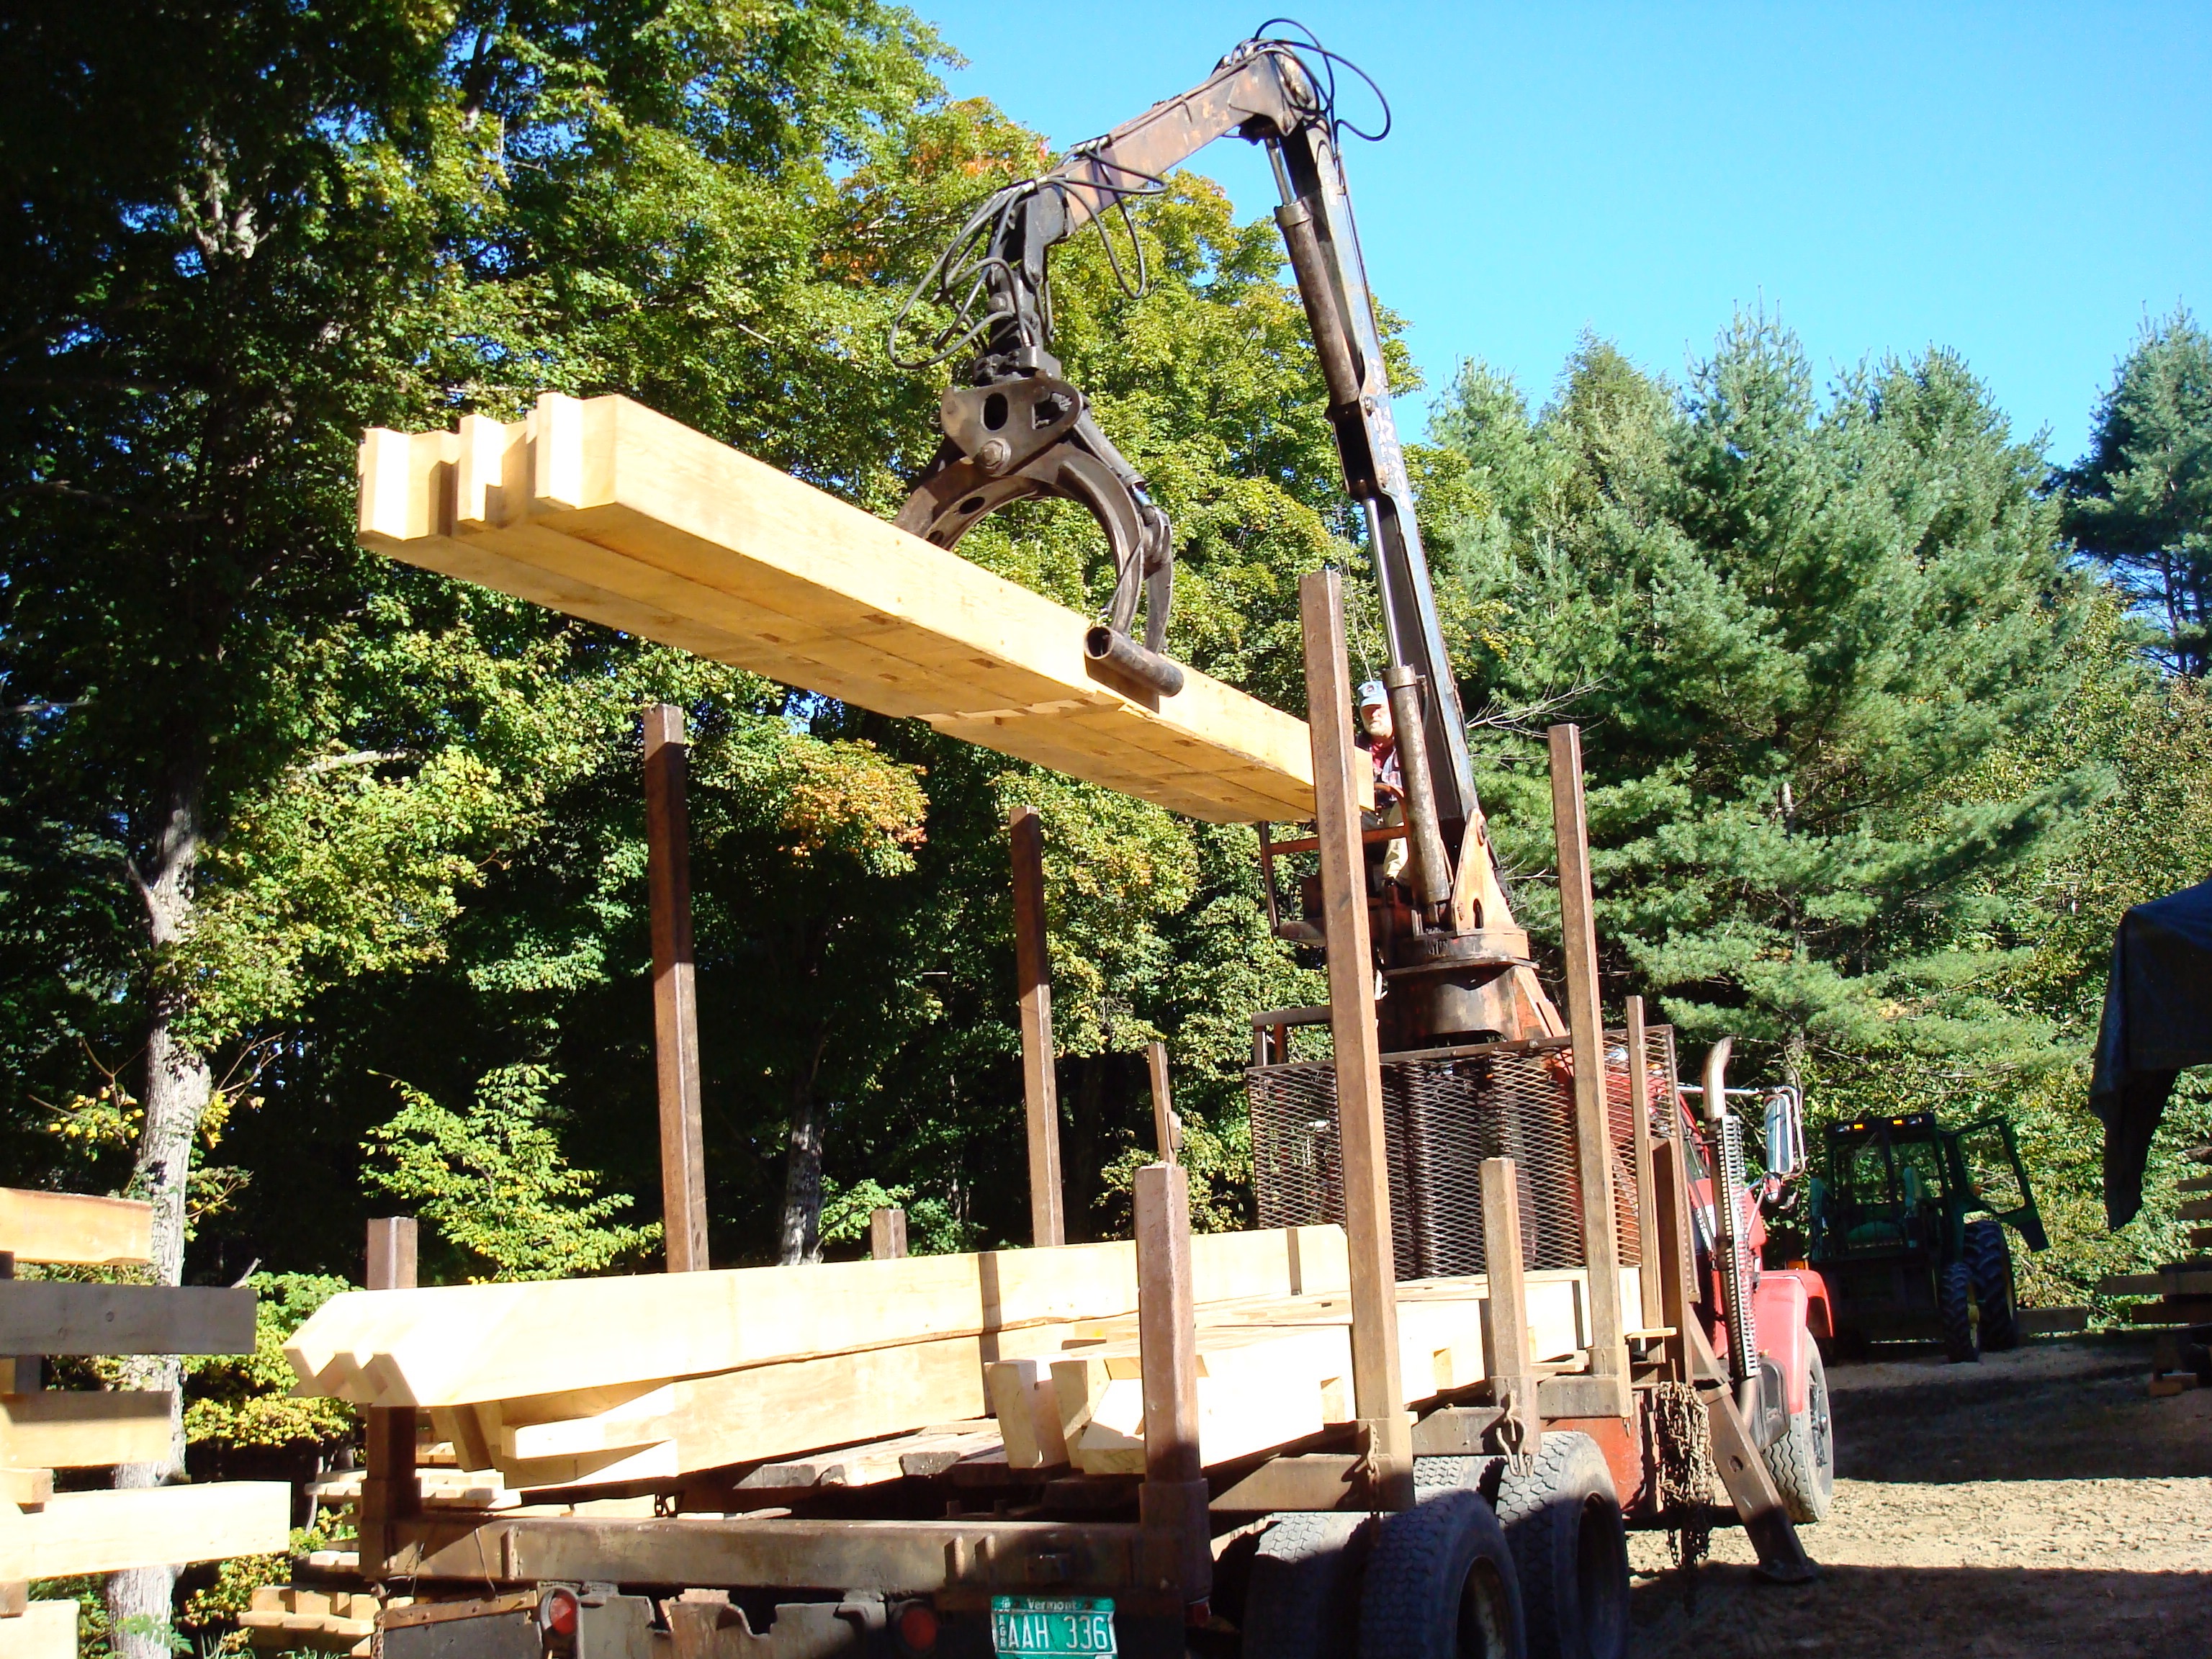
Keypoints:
(801, 1236)
(179, 1085)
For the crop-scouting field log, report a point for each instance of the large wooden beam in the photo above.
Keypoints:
(464, 1344)
(56, 1316)
(1033, 977)
(113, 1531)
(675, 1000)
(83, 1429)
(605, 510)
(1592, 1120)
(1338, 765)
(74, 1228)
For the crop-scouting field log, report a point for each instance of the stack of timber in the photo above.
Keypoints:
(292, 1620)
(2181, 1356)
(44, 1534)
(603, 509)
(774, 1380)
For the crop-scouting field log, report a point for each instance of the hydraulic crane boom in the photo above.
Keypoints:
(1018, 429)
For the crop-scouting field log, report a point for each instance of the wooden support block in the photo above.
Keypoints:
(58, 1318)
(111, 1531)
(2052, 1321)
(2194, 1184)
(27, 1489)
(79, 1428)
(1027, 1406)
(2165, 1387)
(2198, 1209)
(74, 1228)
(604, 509)
(44, 1629)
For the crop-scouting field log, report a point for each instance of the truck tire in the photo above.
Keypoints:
(1434, 1474)
(1803, 1462)
(1989, 1259)
(1303, 1601)
(1563, 1520)
(1441, 1584)
(1954, 1308)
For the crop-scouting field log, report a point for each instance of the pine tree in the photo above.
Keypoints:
(2141, 500)
(1789, 631)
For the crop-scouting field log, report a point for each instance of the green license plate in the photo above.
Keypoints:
(1052, 1626)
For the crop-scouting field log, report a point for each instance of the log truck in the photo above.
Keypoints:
(1459, 1125)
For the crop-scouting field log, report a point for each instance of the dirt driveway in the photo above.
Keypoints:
(2039, 1503)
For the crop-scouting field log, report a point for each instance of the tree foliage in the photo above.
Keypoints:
(2141, 500)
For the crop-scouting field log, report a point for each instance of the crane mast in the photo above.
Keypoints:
(1018, 428)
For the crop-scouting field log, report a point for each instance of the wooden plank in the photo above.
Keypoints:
(761, 1412)
(54, 1316)
(1336, 763)
(2174, 1281)
(1173, 1502)
(604, 509)
(2196, 1210)
(675, 1002)
(886, 1233)
(1675, 1272)
(1593, 1122)
(465, 1343)
(1033, 975)
(45, 1630)
(1647, 1214)
(74, 1228)
(391, 1489)
(112, 1531)
(1505, 1322)
(83, 1429)
(1167, 1128)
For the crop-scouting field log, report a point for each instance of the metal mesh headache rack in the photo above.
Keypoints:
(1445, 1111)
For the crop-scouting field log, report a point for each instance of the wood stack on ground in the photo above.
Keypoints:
(291, 1621)
(603, 509)
(2181, 1356)
(853, 1373)
(49, 1534)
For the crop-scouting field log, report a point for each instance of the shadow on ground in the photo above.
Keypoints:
(2074, 1411)
(1901, 1613)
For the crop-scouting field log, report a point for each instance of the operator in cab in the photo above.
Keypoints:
(1379, 738)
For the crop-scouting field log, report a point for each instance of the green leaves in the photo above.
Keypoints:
(491, 1182)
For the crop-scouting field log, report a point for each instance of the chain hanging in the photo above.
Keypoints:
(1686, 1474)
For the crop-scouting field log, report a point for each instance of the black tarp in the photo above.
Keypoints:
(2158, 1020)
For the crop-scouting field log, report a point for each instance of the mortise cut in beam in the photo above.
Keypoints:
(603, 509)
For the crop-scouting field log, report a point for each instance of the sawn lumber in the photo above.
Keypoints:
(470, 1344)
(74, 1228)
(58, 1317)
(603, 509)
(79, 1428)
(45, 1630)
(110, 1531)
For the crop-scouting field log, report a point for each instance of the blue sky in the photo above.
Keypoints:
(2018, 183)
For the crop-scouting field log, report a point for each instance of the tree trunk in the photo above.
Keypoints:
(801, 1237)
(177, 1088)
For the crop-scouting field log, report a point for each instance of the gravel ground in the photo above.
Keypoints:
(2039, 1503)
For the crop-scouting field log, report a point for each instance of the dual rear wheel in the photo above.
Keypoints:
(1490, 1563)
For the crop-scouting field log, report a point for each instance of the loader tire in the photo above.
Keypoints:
(1989, 1259)
(1955, 1308)
(1303, 1598)
(1441, 1584)
(1803, 1462)
(1563, 1519)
